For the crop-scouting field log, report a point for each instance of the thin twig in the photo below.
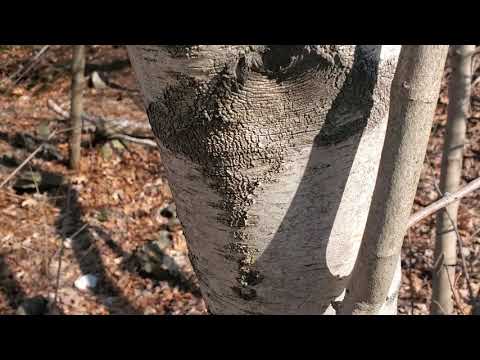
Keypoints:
(460, 245)
(25, 162)
(457, 233)
(32, 155)
(440, 307)
(75, 234)
(446, 200)
(32, 64)
(29, 67)
(20, 167)
(455, 295)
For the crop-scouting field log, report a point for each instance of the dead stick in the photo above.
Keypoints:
(133, 139)
(25, 162)
(452, 289)
(31, 156)
(32, 62)
(109, 127)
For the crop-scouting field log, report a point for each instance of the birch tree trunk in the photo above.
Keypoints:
(78, 83)
(450, 177)
(271, 153)
(414, 97)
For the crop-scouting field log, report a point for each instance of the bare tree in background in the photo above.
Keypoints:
(413, 97)
(78, 83)
(458, 109)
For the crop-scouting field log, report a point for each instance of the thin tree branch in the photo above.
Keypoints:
(29, 67)
(447, 199)
(461, 246)
(32, 155)
(452, 289)
(459, 240)
(25, 162)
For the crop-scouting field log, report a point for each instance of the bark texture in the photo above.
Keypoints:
(450, 177)
(375, 279)
(78, 83)
(271, 153)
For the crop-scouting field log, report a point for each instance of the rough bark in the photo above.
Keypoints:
(78, 83)
(450, 177)
(375, 279)
(271, 153)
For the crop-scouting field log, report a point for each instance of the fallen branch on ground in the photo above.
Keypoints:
(142, 141)
(108, 128)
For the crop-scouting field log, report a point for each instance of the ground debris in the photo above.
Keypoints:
(119, 199)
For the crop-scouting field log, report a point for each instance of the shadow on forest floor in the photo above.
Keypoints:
(12, 290)
(87, 253)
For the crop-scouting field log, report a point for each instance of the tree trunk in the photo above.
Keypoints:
(78, 83)
(450, 178)
(375, 279)
(271, 153)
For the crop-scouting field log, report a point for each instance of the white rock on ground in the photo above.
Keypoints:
(86, 282)
(97, 81)
(68, 243)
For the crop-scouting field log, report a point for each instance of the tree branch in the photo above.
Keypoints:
(446, 200)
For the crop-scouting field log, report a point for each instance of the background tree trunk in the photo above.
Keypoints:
(271, 153)
(450, 178)
(78, 83)
(414, 96)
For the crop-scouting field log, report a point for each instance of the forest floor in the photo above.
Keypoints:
(116, 218)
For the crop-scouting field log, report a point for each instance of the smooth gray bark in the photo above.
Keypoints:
(271, 153)
(450, 177)
(414, 97)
